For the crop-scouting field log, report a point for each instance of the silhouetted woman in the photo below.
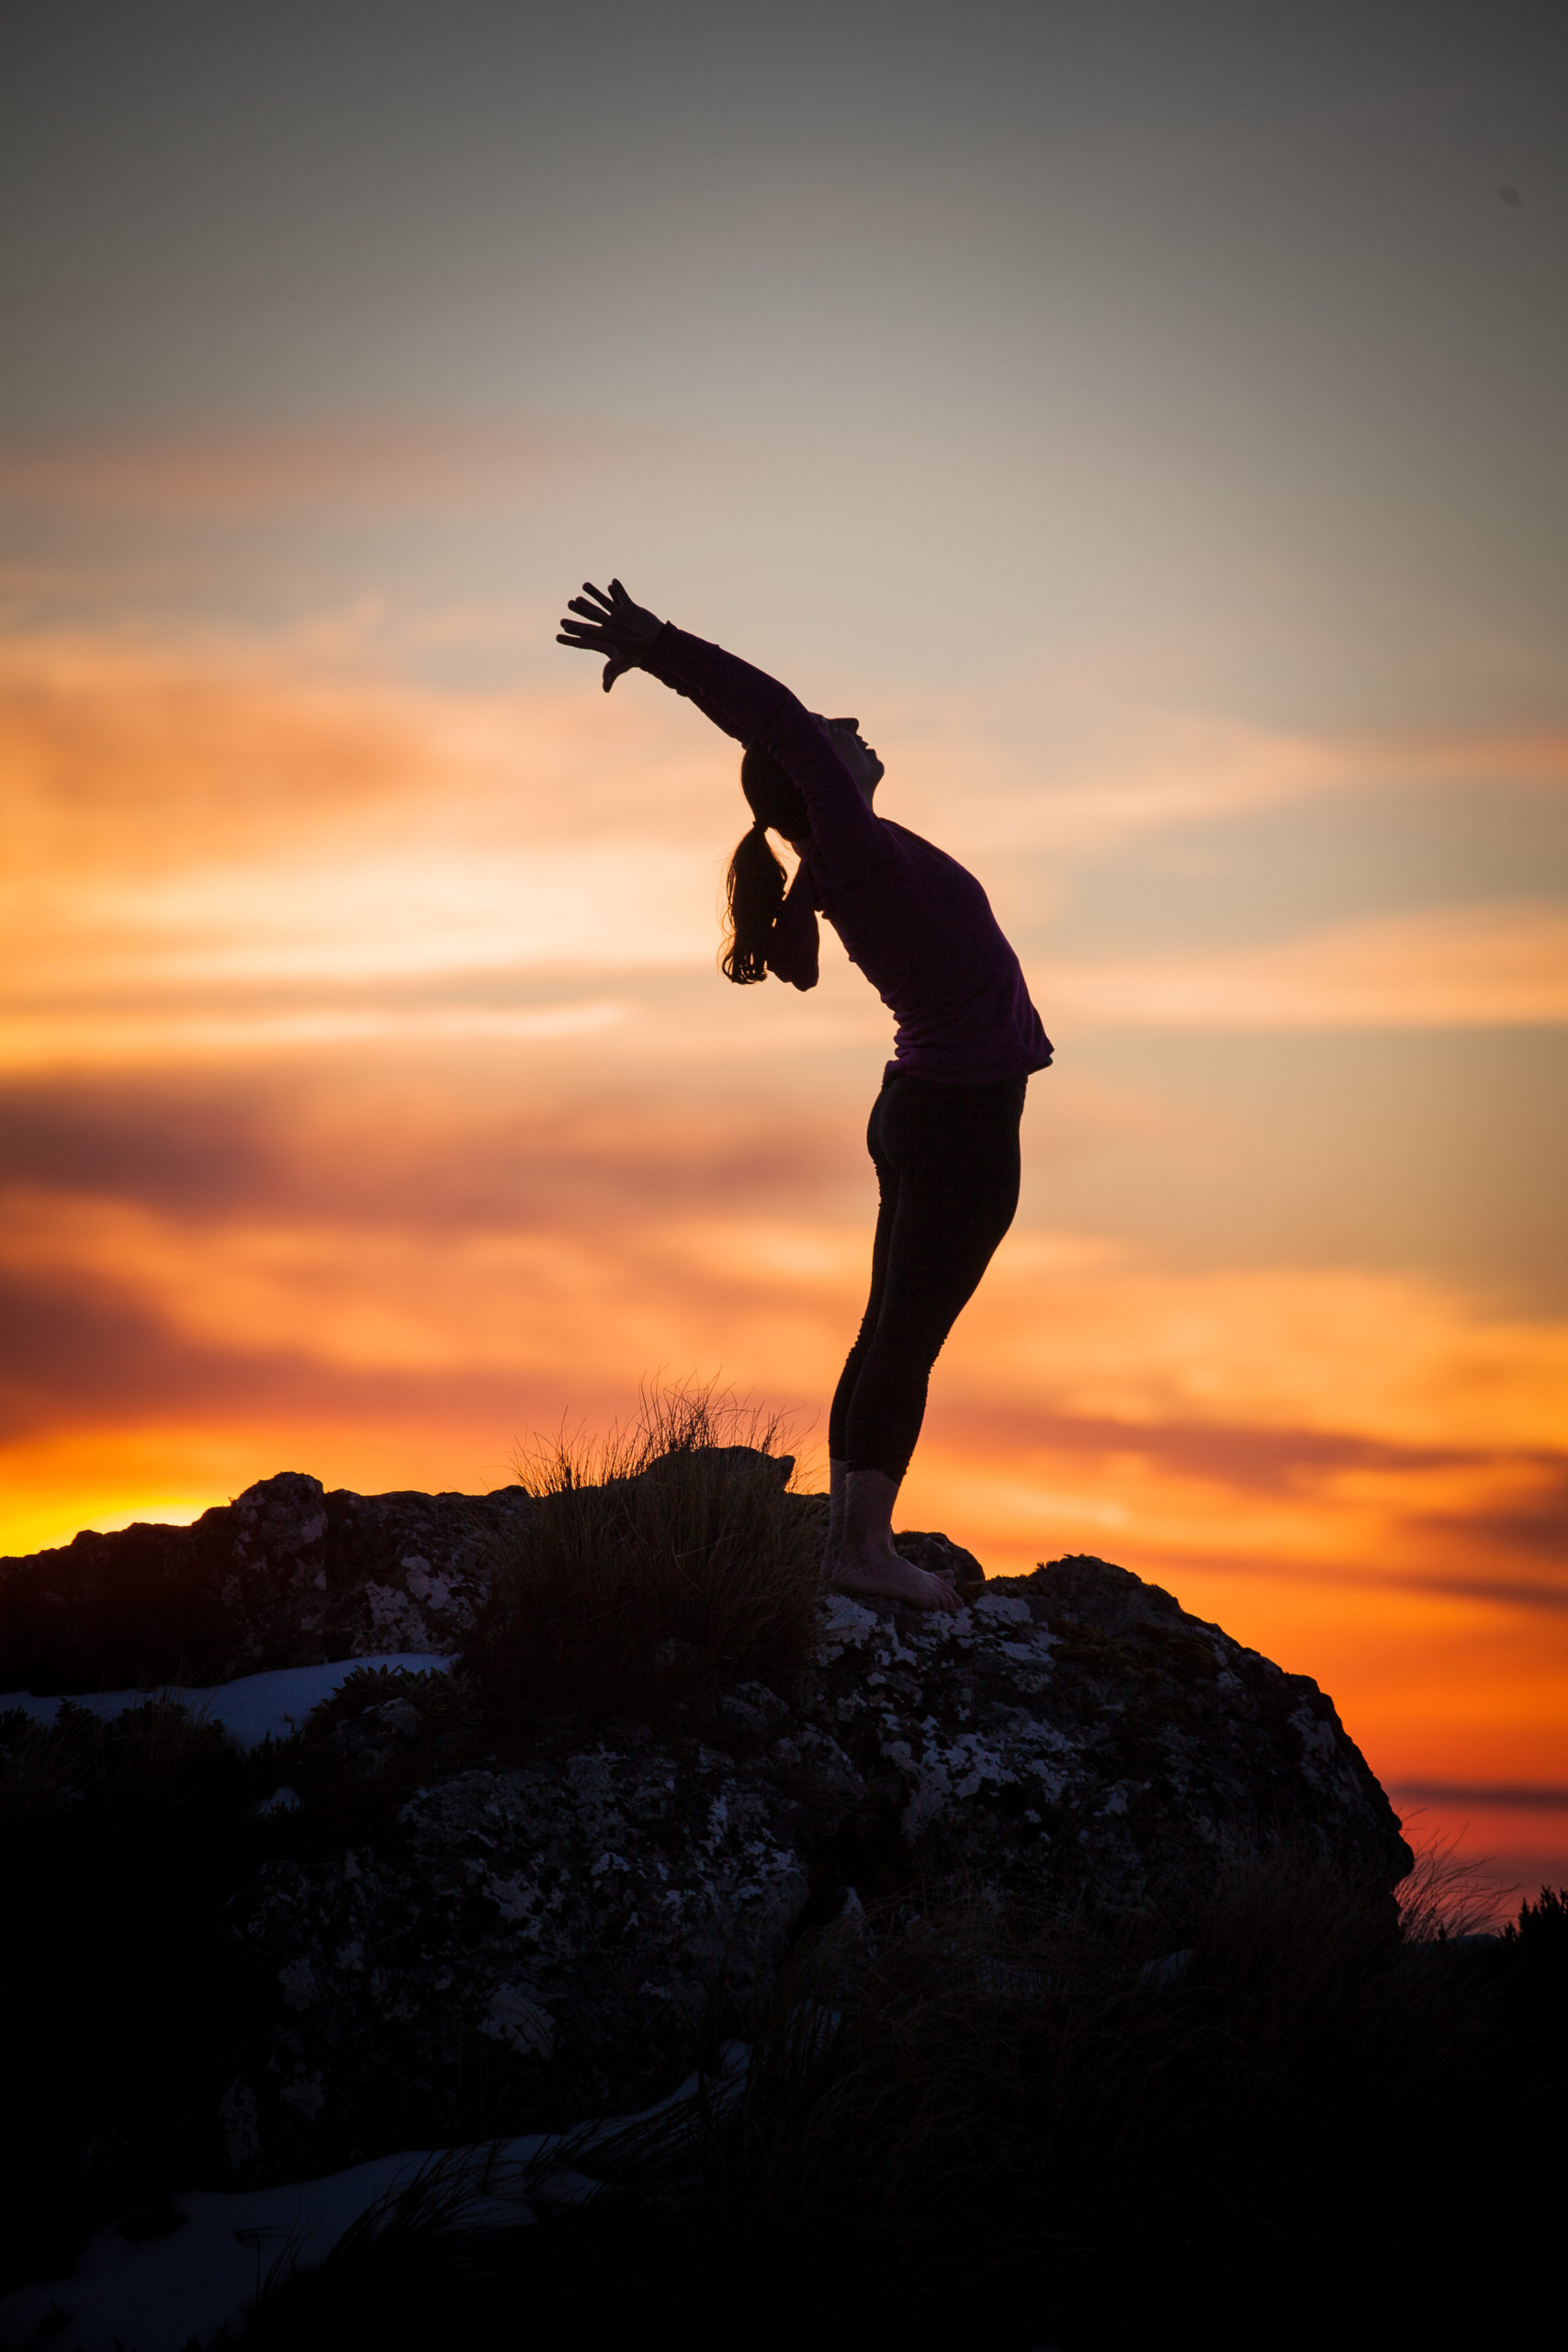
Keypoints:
(944, 1131)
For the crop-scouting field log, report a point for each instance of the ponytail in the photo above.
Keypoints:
(754, 886)
(754, 891)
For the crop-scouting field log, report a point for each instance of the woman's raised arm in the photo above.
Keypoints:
(736, 697)
(743, 701)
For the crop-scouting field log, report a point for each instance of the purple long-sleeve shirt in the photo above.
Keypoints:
(916, 922)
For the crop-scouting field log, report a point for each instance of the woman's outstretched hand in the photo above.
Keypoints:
(610, 625)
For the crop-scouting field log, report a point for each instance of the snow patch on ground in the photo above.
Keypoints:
(256, 1707)
(204, 2272)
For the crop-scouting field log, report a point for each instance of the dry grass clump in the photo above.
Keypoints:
(424, 2265)
(656, 1569)
(1447, 1894)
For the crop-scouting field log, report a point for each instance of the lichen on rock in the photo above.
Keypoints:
(1073, 1735)
(558, 1924)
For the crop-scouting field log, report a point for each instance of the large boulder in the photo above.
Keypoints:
(540, 1938)
(455, 1935)
(1075, 1734)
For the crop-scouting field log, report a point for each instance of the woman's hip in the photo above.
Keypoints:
(925, 1124)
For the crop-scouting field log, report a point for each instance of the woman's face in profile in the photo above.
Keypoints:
(856, 755)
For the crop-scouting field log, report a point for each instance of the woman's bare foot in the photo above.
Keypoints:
(866, 1560)
(883, 1575)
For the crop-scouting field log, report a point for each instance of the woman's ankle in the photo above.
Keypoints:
(867, 1528)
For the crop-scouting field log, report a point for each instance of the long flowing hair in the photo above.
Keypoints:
(754, 886)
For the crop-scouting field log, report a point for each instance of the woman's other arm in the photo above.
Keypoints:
(738, 698)
(794, 949)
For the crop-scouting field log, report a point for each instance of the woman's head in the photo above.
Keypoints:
(774, 797)
(754, 887)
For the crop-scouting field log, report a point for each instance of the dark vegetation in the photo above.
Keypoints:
(655, 1572)
(1304, 2127)
(1056, 2129)
(118, 1844)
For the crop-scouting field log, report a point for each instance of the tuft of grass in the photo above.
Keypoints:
(396, 2274)
(656, 1568)
(1446, 1893)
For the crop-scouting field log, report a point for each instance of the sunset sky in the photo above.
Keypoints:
(1150, 421)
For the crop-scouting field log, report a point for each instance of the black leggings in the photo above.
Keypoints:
(947, 1167)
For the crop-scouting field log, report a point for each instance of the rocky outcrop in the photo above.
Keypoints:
(287, 1575)
(558, 1926)
(506, 1941)
(1076, 1734)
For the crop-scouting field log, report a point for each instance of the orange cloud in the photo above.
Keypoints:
(222, 849)
(127, 758)
(1235, 1416)
(215, 850)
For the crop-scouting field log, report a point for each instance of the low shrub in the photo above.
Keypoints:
(655, 1570)
(361, 1754)
(1541, 1928)
(119, 1842)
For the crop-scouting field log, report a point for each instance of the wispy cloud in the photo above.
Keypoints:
(1403, 1357)
(1071, 770)
(1328, 1464)
(369, 462)
(1462, 967)
(131, 758)
(191, 834)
